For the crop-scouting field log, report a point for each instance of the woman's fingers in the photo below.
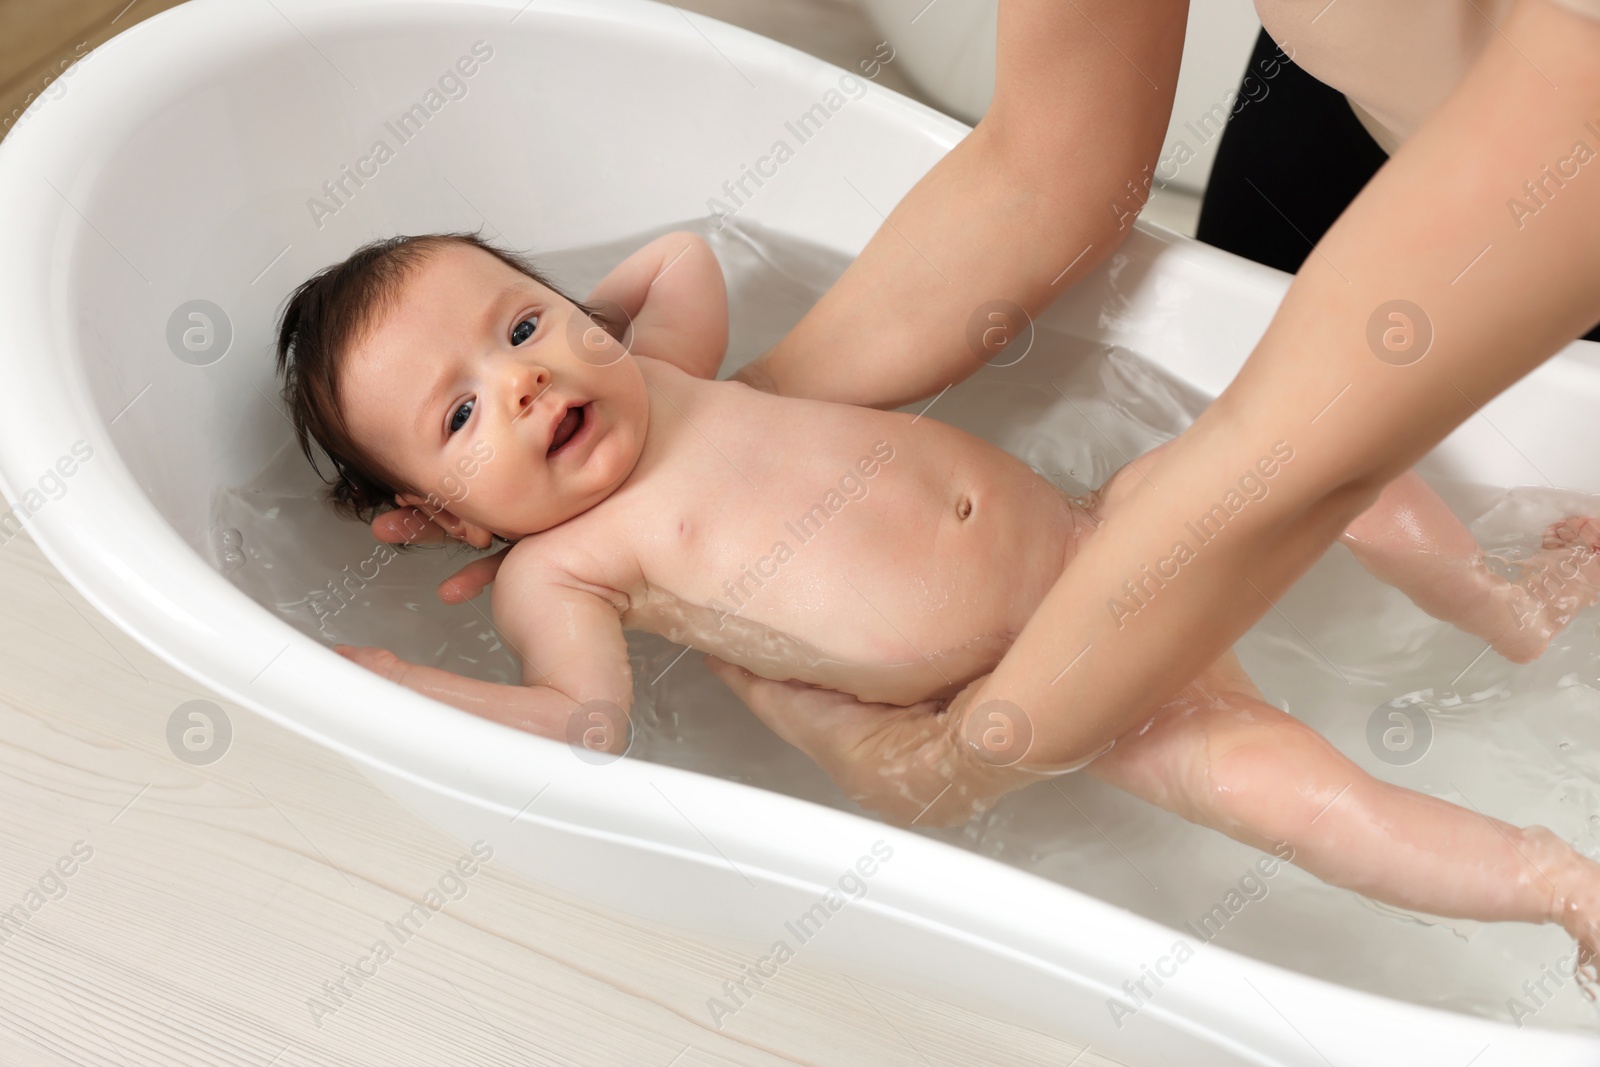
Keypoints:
(412, 526)
(407, 526)
(472, 579)
(892, 760)
(790, 709)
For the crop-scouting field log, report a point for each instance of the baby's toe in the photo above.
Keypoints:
(1574, 530)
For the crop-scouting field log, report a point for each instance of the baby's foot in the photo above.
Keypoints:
(1554, 585)
(1575, 904)
(1574, 530)
(1566, 885)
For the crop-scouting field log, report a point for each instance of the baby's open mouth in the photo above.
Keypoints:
(566, 429)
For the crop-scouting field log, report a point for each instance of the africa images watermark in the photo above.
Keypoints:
(1211, 122)
(1541, 191)
(804, 927)
(451, 887)
(1205, 529)
(341, 189)
(804, 127)
(804, 528)
(52, 486)
(50, 886)
(336, 594)
(1552, 588)
(1539, 991)
(54, 86)
(1250, 888)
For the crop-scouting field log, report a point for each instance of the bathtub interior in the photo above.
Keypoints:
(1517, 741)
(206, 197)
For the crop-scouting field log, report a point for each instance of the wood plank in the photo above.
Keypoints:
(32, 29)
(41, 38)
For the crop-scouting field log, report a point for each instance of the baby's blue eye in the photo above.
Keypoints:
(518, 334)
(457, 420)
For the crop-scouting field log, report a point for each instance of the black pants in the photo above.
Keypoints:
(1287, 166)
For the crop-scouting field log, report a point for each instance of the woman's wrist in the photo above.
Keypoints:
(968, 756)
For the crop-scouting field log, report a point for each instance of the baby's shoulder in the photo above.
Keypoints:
(575, 554)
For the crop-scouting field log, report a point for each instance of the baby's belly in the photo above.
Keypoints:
(900, 606)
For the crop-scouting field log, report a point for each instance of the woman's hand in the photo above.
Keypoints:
(910, 764)
(412, 526)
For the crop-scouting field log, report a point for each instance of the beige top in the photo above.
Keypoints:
(1395, 60)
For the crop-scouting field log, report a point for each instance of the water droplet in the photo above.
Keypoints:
(230, 549)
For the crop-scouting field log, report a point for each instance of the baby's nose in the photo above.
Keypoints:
(529, 384)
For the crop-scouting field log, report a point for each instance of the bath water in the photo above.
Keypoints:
(1521, 743)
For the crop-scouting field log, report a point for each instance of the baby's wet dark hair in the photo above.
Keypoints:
(325, 318)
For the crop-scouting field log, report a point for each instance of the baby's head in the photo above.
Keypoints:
(442, 372)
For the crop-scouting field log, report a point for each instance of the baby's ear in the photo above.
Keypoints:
(409, 500)
(453, 524)
(448, 520)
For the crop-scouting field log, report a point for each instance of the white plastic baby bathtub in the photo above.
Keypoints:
(186, 162)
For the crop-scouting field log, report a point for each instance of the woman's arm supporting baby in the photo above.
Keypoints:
(1410, 539)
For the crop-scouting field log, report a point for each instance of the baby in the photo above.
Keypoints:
(877, 553)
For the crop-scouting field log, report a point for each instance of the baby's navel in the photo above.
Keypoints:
(963, 507)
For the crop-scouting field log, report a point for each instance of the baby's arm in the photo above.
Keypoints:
(568, 634)
(673, 291)
(1224, 758)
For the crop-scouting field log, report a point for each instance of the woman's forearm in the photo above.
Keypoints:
(1136, 616)
(1025, 205)
(893, 327)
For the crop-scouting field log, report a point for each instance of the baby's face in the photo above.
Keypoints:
(471, 389)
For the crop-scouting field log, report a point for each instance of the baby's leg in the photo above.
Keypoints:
(1221, 757)
(1410, 540)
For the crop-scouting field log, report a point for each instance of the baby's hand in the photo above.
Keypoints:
(379, 661)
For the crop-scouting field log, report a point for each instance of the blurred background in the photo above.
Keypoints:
(943, 56)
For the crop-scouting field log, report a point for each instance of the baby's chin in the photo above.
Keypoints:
(514, 529)
(507, 532)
